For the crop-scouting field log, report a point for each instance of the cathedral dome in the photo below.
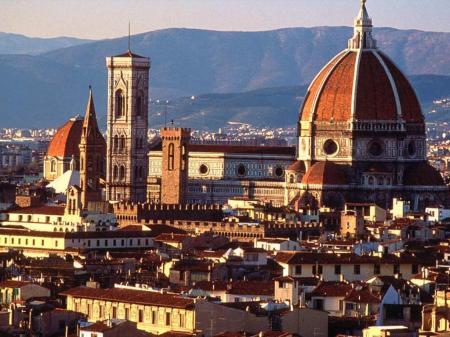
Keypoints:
(325, 173)
(66, 140)
(360, 84)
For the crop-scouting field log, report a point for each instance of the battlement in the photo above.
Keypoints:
(175, 133)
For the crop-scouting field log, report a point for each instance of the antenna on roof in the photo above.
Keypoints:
(129, 35)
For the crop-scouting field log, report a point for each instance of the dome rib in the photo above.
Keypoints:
(335, 99)
(315, 88)
(355, 82)
(393, 85)
(411, 110)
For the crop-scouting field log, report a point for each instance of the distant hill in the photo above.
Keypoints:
(189, 62)
(273, 107)
(20, 44)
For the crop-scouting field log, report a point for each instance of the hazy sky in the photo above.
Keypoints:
(109, 18)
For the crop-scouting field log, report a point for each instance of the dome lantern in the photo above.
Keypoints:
(362, 37)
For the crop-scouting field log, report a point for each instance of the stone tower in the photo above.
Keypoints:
(127, 164)
(175, 165)
(92, 156)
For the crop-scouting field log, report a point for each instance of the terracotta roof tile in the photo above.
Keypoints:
(66, 140)
(13, 284)
(375, 98)
(46, 210)
(131, 296)
(325, 173)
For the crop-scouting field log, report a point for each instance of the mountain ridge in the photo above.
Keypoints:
(188, 62)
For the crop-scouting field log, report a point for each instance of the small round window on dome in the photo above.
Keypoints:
(330, 147)
(241, 170)
(375, 149)
(412, 149)
(203, 169)
(279, 171)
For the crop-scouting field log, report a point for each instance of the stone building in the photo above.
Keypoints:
(175, 165)
(217, 173)
(92, 156)
(361, 132)
(127, 164)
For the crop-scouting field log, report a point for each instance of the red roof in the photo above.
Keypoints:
(366, 86)
(362, 296)
(46, 210)
(129, 53)
(131, 296)
(332, 289)
(325, 173)
(13, 284)
(66, 140)
(96, 327)
(297, 166)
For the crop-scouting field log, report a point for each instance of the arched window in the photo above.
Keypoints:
(115, 172)
(53, 165)
(171, 157)
(115, 143)
(122, 144)
(120, 103)
(122, 173)
(136, 172)
(139, 103)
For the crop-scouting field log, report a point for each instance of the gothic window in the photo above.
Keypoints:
(122, 144)
(371, 180)
(53, 165)
(115, 143)
(120, 103)
(122, 173)
(115, 172)
(171, 157)
(140, 103)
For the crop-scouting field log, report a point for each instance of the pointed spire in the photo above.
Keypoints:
(90, 119)
(362, 36)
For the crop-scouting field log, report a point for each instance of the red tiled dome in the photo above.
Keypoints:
(66, 140)
(422, 174)
(297, 166)
(364, 85)
(325, 173)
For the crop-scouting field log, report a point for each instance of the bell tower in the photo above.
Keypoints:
(127, 163)
(92, 156)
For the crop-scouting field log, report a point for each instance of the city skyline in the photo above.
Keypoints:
(93, 20)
